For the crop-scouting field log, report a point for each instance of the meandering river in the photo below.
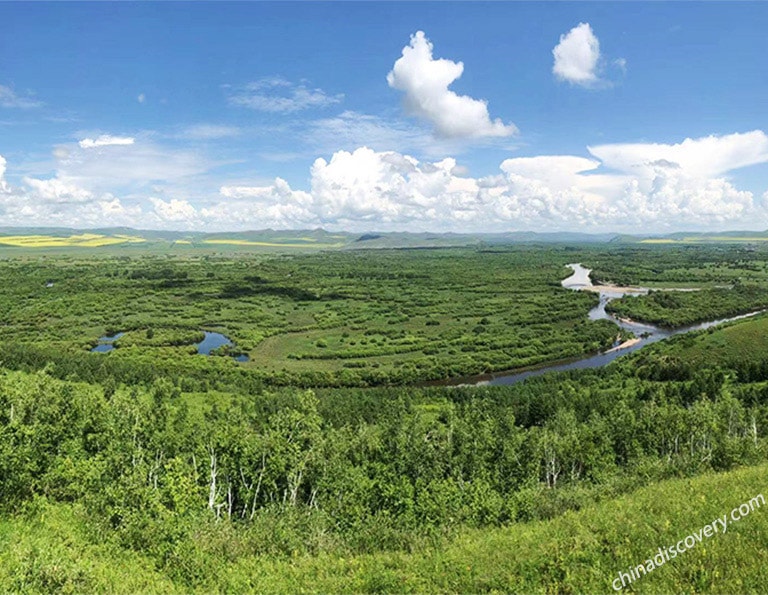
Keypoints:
(645, 333)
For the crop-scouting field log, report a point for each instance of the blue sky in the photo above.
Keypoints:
(591, 116)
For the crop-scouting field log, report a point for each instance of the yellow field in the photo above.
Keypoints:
(92, 240)
(234, 242)
(86, 240)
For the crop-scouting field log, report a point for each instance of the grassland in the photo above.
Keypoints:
(580, 552)
(117, 240)
(50, 550)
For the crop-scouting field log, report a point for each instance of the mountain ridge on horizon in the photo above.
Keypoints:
(319, 238)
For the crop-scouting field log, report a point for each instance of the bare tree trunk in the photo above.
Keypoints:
(214, 473)
(155, 471)
(258, 484)
(248, 487)
(229, 498)
(312, 502)
(294, 487)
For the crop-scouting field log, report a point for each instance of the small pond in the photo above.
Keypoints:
(214, 341)
(210, 342)
(106, 343)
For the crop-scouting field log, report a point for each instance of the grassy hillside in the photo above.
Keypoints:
(49, 550)
(579, 552)
(739, 342)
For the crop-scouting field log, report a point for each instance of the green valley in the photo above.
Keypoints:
(329, 462)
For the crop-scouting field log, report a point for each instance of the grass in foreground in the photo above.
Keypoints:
(49, 552)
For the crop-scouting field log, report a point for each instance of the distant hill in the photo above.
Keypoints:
(116, 238)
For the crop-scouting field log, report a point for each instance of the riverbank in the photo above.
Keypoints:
(618, 289)
(625, 345)
(645, 334)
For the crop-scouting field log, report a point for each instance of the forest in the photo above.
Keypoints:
(328, 463)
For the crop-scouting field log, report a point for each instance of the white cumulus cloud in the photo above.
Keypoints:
(105, 140)
(173, 210)
(275, 205)
(702, 157)
(107, 188)
(425, 82)
(636, 188)
(61, 202)
(630, 187)
(577, 56)
(107, 211)
(60, 190)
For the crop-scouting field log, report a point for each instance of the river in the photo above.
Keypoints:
(645, 333)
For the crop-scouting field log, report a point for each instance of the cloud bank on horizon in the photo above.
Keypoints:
(372, 180)
(620, 186)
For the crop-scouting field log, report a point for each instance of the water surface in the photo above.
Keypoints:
(213, 341)
(210, 342)
(106, 343)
